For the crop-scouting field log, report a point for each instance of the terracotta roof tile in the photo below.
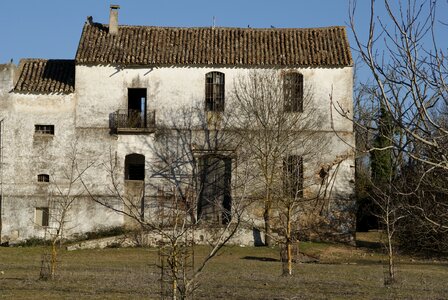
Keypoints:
(270, 47)
(46, 76)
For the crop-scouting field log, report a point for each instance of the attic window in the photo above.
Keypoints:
(293, 92)
(43, 178)
(214, 91)
(44, 129)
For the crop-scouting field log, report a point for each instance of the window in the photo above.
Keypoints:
(293, 92)
(293, 176)
(134, 167)
(43, 178)
(41, 217)
(215, 189)
(214, 91)
(44, 129)
(137, 108)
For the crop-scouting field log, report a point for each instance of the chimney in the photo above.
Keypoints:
(113, 19)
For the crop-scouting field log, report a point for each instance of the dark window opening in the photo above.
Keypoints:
(293, 92)
(134, 167)
(137, 108)
(214, 186)
(43, 178)
(44, 129)
(214, 91)
(42, 216)
(293, 176)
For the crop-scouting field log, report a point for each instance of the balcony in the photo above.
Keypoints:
(126, 121)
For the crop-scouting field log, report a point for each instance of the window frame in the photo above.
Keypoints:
(44, 129)
(293, 91)
(215, 91)
(43, 178)
(134, 167)
(45, 216)
(215, 178)
(137, 107)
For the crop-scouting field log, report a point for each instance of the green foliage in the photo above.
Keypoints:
(100, 233)
(106, 232)
(381, 159)
(427, 202)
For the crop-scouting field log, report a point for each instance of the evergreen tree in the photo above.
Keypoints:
(381, 157)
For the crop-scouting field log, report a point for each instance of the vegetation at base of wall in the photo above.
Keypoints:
(92, 235)
(105, 232)
(33, 242)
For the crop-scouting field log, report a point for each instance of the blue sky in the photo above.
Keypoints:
(52, 28)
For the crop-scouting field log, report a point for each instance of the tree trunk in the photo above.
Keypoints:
(267, 226)
(53, 262)
(390, 253)
(174, 274)
(289, 246)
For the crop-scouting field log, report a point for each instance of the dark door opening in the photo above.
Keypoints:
(215, 200)
(137, 108)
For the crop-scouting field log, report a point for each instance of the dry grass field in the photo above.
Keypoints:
(343, 272)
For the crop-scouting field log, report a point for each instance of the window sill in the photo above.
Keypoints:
(43, 136)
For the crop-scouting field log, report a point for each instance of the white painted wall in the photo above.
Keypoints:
(102, 90)
(84, 117)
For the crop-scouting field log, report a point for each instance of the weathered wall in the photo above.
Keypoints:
(82, 120)
(7, 72)
(102, 90)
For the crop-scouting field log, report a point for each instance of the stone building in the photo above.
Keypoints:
(107, 103)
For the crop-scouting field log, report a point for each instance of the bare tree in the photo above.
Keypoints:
(279, 130)
(410, 72)
(384, 191)
(407, 61)
(190, 188)
(65, 189)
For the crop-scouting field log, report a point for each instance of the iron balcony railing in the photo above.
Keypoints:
(128, 121)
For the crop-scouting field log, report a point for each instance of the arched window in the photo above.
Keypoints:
(43, 178)
(293, 92)
(134, 167)
(214, 91)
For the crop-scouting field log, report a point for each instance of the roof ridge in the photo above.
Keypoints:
(105, 25)
(31, 59)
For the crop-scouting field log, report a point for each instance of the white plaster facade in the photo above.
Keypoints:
(82, 118)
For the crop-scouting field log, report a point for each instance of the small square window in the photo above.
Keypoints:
(44, 129)
(41, 216)
(43, 178)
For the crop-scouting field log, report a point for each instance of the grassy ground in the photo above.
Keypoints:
(237, 273)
